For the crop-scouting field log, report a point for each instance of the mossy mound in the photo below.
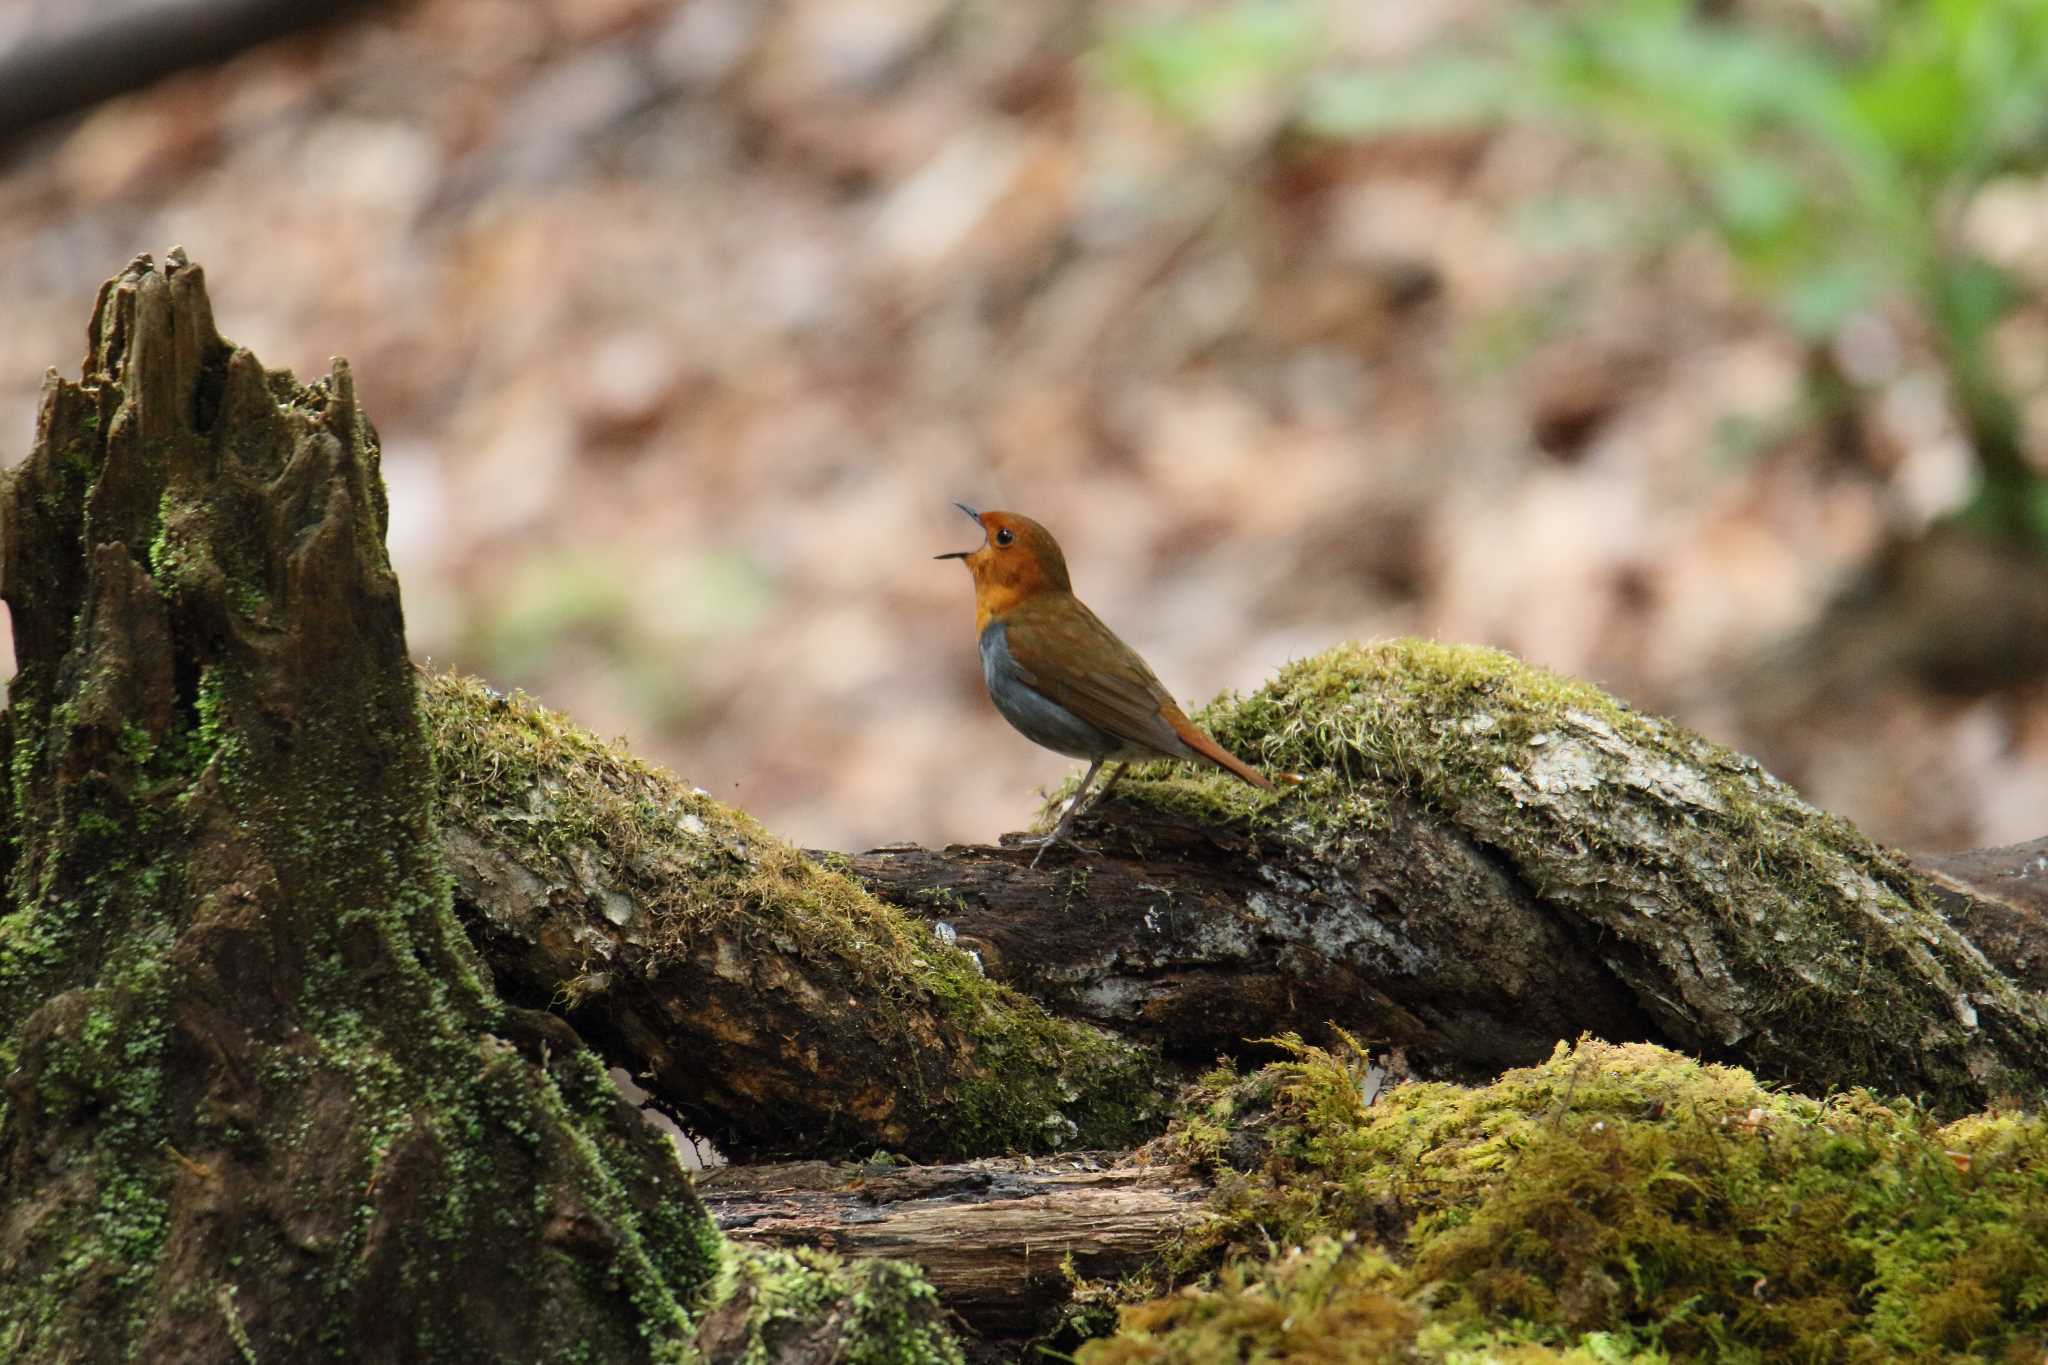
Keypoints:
(1454, 725)
(1615, 1202)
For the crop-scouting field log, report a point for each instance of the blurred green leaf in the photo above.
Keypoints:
(1185, 65)
(1973, 295)
(1756, 199)
(1819, 300)
(1449, 90)
(1916, 109)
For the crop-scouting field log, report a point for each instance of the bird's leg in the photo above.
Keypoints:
(1059, 831)
(1103, 794)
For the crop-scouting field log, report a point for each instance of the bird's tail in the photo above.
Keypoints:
(1192, 736)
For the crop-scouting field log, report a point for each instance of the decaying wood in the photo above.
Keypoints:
(1433, 937)
(256, 1103)
(997, 1238)
(1161, 946)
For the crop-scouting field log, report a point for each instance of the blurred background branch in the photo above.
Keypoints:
(62, 61)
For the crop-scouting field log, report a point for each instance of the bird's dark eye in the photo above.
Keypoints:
(1005, 536)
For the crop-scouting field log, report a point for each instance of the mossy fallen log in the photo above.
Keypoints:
(1483, 859)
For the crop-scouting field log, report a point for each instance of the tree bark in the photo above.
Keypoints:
(1998, 899)
(1177, 939)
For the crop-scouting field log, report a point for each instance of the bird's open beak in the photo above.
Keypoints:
(973, 516)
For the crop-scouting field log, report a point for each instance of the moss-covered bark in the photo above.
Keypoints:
(1482, 858)
(1744, 923)
(261, 1102)
(771, 1002)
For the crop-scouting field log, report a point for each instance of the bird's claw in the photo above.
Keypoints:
(1045, 843)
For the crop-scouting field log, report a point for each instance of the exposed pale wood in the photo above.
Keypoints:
(1998, 898)
(993, 1236)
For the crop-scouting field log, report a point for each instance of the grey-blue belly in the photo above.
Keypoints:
(1037, 718)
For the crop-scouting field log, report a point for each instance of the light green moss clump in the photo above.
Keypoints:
(1612, 1203)
(1468, 730)
(1438, 720)
(805, 1304)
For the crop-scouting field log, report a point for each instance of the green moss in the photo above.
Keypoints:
(1328, 1301)
(881, 1312)
(1614, 1202)
(530, 774)
(1045, 1083)
(1358, 720)
(101, 1067)
(1464, 728)
(160, 551)
(695, 867)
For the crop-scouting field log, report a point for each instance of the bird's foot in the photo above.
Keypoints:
(1075, 807)
(1044, 843)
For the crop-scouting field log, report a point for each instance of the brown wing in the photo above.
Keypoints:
(1062, 650)
(1065, 653)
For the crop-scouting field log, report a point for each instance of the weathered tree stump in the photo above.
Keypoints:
(261, 1101)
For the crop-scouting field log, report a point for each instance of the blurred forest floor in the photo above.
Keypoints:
(683, 324)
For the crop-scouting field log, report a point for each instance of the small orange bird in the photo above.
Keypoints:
(1062, 677)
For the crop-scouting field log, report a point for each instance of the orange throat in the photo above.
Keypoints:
(992, 600)
(1001, 585)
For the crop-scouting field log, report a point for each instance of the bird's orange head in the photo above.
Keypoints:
(1016, 560)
